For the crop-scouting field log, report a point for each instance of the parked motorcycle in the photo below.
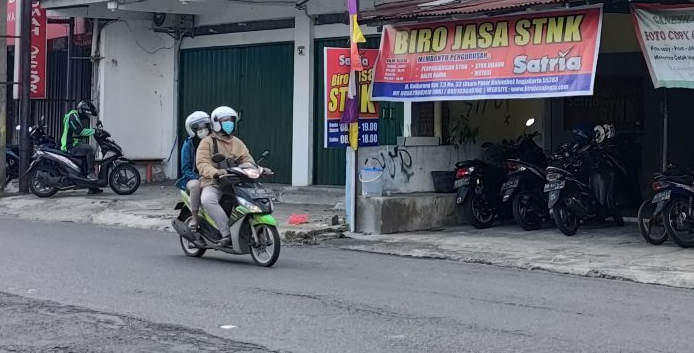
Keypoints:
(674, 206)
(650, 216)
(249, 207)
(523, 188)
(581, 184)
(38, 136)
(479, 181)
(53, 170)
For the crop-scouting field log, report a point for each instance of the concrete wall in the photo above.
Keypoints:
(408, 169)
(136, 90)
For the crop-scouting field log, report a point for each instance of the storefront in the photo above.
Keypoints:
(446, 131)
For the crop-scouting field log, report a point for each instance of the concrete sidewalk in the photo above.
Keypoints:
(152, 207)
(607, 252)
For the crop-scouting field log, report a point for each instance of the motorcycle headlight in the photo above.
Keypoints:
(251, 207)
(553, 176)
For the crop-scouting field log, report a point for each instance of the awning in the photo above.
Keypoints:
(409, 9)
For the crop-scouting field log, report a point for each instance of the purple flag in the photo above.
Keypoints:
(351, 113)
(353, 6)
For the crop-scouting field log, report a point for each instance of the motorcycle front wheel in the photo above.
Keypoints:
(676, 223)
(527, 210)
(652, 229)
(267, 250)
(124, 179)
(478, 212)
(566, 221)
(37, 184)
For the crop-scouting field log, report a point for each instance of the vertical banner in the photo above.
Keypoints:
(666, 35)
(530, 55)
(337, 72)
(11, 19)
(39, 53)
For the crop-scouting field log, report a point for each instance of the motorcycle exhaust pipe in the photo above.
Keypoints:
(183, 230)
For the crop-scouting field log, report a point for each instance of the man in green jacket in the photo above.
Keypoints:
(75, 137)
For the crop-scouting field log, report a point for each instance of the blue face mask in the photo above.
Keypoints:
(228, 126)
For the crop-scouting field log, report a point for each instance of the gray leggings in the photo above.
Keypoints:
(210, 200)
(193, 187)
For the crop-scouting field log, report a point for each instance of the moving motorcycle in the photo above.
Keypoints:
(524, 184)
(53, 170)
(673, 207)
(249, 208)
(38, 138)
(582, 184)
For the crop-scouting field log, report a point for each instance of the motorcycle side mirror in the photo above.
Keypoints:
(218, 158)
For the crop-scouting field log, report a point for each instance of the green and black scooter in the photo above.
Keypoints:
(249, 206)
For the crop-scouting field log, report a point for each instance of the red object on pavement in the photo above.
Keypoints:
(297, 219)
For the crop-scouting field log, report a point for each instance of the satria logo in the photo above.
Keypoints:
(561, 63)
(344, 60)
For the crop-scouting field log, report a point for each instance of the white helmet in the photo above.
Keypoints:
(219, 113)
(194, 120)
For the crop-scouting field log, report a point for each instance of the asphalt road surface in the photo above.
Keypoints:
(136, 291)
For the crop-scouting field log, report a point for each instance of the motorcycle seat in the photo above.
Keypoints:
(68, 155)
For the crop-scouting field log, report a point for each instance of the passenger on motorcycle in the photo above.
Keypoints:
(75, 137)
(221, 141)
(198, 127)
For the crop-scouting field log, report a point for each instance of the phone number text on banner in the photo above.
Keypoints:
(337, 65)
(543, 54)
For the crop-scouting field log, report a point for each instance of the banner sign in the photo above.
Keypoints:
(530, 55)
(666, 35)
(337, 66)
(39, 22)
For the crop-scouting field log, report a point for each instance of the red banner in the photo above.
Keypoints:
(529, 55)
(337, 68)
(38, 51)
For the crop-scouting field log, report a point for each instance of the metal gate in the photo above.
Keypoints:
(329, 164)
(53, 107)
(257, 81)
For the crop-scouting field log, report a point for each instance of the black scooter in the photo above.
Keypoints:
(674, 206)
(53, 170)
(38, 136)
(581, 186)
(523, 189)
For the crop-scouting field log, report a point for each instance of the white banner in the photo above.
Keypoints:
(666, 35)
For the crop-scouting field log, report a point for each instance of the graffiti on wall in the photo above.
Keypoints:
(394, 161)
(474, 109)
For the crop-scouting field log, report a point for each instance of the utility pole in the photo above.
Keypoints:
(25, 101)
(3, 93)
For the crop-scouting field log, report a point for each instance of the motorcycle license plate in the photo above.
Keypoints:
(465, 181)
(663, 196)
(510, 184)
(555, 185)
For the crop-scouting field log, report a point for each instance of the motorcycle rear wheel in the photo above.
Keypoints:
(189, 249)
(652, 230)
(477, 211)
(524, 213)
(566, 221)
(675, 215)
(36, 186)
(267, 252)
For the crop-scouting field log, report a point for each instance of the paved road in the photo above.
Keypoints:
(326, 300)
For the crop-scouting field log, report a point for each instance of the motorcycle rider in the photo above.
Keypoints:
(198, 127)
(221, 141)
(75, 137)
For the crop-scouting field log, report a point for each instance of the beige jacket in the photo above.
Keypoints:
(230, 146)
